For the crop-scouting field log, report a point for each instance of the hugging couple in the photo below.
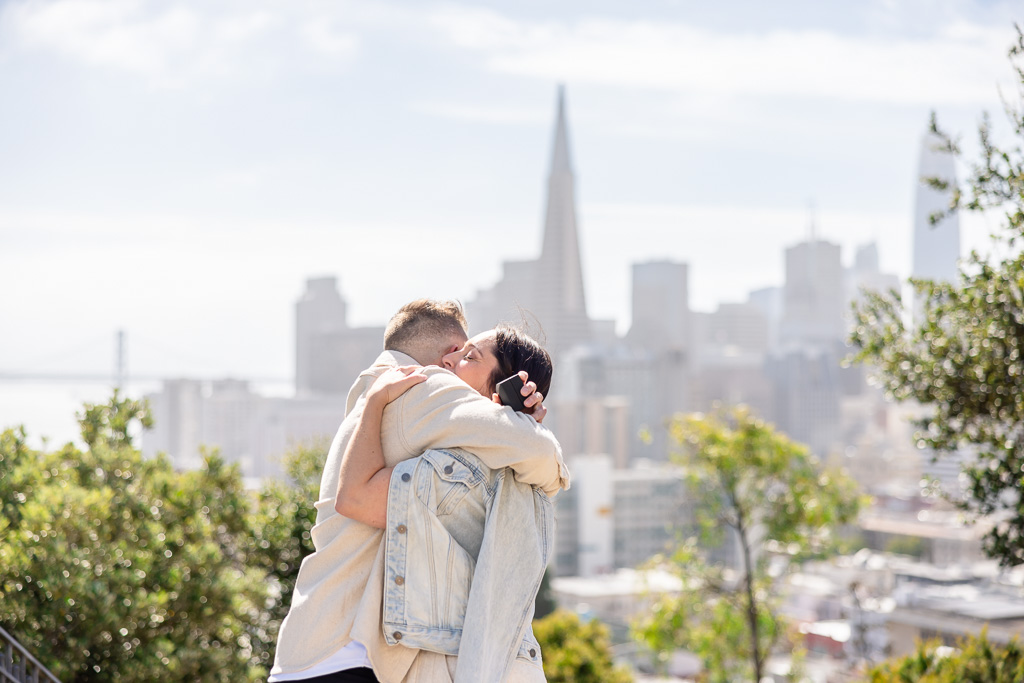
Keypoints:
(434, 522)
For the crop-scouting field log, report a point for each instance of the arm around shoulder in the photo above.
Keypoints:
(364, 477)
(444, 412)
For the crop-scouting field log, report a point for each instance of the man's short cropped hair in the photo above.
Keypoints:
(424, 321)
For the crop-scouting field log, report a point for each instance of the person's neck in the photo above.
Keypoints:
(416, 356)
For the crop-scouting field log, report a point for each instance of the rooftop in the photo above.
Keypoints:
(622, 582)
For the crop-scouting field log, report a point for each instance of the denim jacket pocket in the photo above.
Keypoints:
(456, 477)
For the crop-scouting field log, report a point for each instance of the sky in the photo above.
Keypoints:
(178, 169)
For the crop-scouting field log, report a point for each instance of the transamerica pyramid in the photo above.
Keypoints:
(550, 289)
(562, 306)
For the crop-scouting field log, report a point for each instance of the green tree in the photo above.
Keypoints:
(754, 487)
(965, 358)
(575, 652)
(906, 545)
(115, 567)
(975, 659)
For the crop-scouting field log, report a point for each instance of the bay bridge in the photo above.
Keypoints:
(62, 365)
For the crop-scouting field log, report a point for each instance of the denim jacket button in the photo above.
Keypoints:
(401, 528)
(533, 653)
(448, 469)
(406, 476)
(399, 580)
(397, 635)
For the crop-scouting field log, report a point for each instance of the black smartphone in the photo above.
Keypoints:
(508, 392)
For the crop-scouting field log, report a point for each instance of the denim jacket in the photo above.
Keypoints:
(466, 547)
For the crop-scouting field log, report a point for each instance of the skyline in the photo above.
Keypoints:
(202, 162)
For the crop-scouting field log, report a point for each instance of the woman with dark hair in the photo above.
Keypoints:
(483, 529)
(515, 352)
(497, 354)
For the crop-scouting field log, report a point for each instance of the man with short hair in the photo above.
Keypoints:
(333, 628)
(427, 329)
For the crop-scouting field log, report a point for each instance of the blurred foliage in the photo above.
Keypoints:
(965, 358)
(575, 652)
(116, 567)
(906, 545)
(975, 659)
(280, 527)
(754, 488)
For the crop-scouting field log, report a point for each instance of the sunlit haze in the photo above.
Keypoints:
(177, 170)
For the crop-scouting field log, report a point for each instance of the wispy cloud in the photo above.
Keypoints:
(169, 44)
(483, 114)
(953, 65)
(117, 34)
(324, 37)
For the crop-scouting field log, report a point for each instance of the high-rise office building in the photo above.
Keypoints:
(936, 252)
(805, 368)
(813, 296)
(618, 518)
(728, 360)
(328, 353)
(808, 389)
(936, 246)
(866, 276)
(768, 300)
(319, 312)
(735, 329)
(661, 307)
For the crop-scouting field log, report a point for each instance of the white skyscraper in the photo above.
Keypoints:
(936, 247)
(936, 250)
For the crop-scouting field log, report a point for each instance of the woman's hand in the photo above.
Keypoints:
(395, 382)
(532, 399)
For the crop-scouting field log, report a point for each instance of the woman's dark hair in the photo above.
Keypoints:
(515, 351)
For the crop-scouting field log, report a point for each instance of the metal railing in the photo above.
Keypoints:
(18, 666)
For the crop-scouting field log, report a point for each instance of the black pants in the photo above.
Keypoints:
(362, 675)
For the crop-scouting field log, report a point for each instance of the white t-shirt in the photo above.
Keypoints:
(352, 656)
